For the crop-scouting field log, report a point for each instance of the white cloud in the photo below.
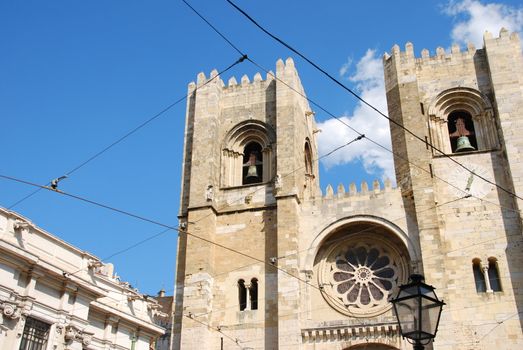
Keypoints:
(369, 82)
(474, 18)
(345, 67)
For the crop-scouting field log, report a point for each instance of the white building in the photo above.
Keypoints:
(56, 296)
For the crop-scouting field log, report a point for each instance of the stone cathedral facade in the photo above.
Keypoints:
(268, 261)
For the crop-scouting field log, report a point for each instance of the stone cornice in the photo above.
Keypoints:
(142, 324)
(46, 269)
(386, 333)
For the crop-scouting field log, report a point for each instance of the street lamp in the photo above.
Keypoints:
(418, 310)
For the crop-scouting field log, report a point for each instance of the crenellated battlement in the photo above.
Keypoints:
(283, 69)
(364, 190)
(443, 55)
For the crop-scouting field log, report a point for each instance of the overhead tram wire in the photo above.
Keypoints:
(461, 248)
(129, 133)
(213, 243)
(419, 167)
(467, 194)
(126, 249)
(241, 198)
(235, 340)
(143, 218)
(362, 100)
(173, 228)
(169, 227)
(183, 231)
(214, 28)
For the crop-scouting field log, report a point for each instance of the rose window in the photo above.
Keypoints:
(359, 274)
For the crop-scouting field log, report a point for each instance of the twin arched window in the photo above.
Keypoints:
(248, 292)
(486, 277)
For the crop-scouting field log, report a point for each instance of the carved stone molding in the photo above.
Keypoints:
(10, 310)
(74, 333)
(386, 333)
(21, 225)
(71, 332)
(14, 309)
(86, 338)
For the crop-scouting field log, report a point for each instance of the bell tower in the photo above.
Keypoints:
(249, 160)
(465, 106)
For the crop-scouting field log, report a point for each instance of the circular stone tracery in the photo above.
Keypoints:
(359, 274)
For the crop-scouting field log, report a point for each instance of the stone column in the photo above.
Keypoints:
(484, 269)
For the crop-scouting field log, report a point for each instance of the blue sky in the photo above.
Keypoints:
(76, 76)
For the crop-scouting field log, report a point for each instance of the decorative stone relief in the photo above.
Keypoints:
(21, 225)
(86, 338)
(14, 309)
(70, 332)
(278, 183)
(209, 193)
(74, 333)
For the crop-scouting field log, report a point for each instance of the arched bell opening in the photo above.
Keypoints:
(462, 120)
(462, 132)
(252, 164)
(247, 156)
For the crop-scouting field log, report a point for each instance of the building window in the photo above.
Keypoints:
(247, 155)
(359, 272)
(252, 164)
(461, 132)
(493, 275)
(253, 294)
(462, 120)
(242, 295)
(486, 277)
(249, 293)
(479, 277)
(35, 335)
(308, 161)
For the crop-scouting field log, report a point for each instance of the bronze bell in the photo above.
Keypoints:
(252, 171)
(463, 144)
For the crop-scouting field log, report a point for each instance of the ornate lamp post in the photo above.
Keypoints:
(418, 310)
